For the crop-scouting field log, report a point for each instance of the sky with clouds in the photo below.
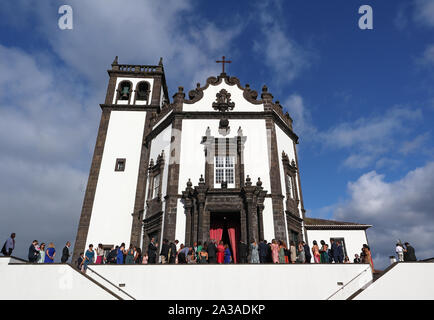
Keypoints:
(362, 100)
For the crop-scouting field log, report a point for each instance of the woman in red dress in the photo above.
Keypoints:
(220, 252)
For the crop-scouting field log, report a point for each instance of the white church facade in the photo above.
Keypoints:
(216, 163)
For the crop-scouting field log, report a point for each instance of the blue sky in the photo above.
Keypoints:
(362, 100)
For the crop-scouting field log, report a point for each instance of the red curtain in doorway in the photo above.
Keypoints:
(216, 232)
(234, 238)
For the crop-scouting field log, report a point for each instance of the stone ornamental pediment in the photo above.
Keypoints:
(223, 101)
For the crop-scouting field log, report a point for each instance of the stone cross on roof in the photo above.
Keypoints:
(223, 61)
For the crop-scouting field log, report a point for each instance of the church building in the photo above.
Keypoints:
(219, 162)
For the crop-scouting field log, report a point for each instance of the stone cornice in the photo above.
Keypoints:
(217, 115)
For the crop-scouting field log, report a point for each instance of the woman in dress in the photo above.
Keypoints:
(220, 252)
(89, 257)
(315, 252)
(120, 254)
(281, 252)
(145, 258)
(324, 252)
(138, 256)
(41, 258)
(274, 251)
(99, 254)
(203, 256)
(227, 254)
(301, 254)
(346, 260)
(293, 252)
(254, 249)
(50, 253)
(130, 255)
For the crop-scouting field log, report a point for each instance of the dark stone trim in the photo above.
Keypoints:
(129, 107)
(83, 226)
(217, 115)
(290, 170)
(337, 227)
(139, 202)
(303, 211)
(200, 202)
(280, 231)
(171, 201)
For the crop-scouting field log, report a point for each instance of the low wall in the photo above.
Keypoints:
(250, 282)
(405, 281)
(46, 282)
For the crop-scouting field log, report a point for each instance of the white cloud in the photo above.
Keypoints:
(301, 116)
(401, 209)
(370, 138)
(282, 53)
(424, 12)
(428, 56)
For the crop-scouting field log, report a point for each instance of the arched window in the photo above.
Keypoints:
(142, 91)
(124, 90)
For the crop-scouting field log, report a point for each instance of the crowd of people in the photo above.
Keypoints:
(208, 252)
(212, 252)
(38, 253)
(405, 252)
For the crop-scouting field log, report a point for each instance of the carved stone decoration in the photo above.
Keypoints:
(223, 102)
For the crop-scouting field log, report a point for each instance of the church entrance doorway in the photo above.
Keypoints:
(226, 227)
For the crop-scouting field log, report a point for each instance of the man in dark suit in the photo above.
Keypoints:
(244, 250)
(165, 252)
(307, 254)
(212, 250)
(172, 254)
(340, 253)
(409, 253)
(152, 252)
(65, 253)
(33, 253)
(263, 249)
(333, 256)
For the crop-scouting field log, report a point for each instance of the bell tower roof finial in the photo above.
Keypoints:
(115, 61)
(160, 63)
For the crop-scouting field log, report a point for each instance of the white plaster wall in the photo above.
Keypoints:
(192, 158)
(47, 282)
(180, 222)
(298, 281)
(405, 281)
(209, 96)
(267, 218)
(354, 239)
(134, 81)
(115, 193)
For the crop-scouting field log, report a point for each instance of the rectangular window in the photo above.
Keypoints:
(120, 164)
(224, 170)
(156, 186)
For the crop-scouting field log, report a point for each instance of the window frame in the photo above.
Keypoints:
(119, 161)
(227, 166)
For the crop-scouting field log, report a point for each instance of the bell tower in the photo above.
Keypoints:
(112, 210)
